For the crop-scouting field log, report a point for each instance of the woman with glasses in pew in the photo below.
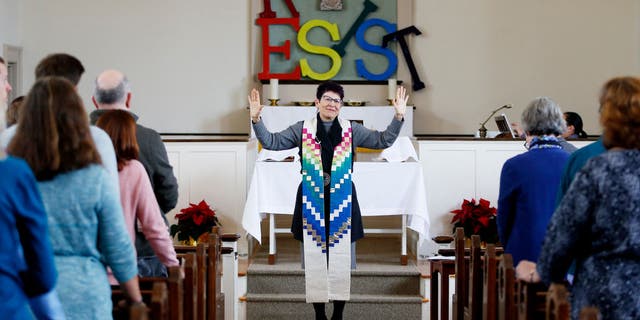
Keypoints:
(597, 223)
(327, 216)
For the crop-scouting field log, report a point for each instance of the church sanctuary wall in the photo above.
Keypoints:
(8, 23)
(192, 63)
(464, 169)
(187, 61)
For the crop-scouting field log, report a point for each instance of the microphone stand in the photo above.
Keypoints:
(483, 129)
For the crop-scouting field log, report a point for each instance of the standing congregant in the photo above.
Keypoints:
(529, 182)
(113, 92)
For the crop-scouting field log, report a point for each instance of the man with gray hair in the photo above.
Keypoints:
(112, 92)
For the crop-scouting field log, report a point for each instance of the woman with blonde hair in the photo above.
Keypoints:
(84, 213)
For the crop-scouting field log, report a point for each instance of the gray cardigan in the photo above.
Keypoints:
(291, 137)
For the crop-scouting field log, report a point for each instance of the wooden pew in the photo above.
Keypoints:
(530, 300)
(215, 298)
(473, 309)
(190, 284)
(461, 296)
(160, 303)
(156, 299)
(490, 284)
(173, 289)
(440, 271)
(506, 288)
(209, 298)
(557, 302)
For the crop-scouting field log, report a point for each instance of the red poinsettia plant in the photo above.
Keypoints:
(477, 218)
(194, 221)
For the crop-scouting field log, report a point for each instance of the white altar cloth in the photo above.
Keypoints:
(383, 189)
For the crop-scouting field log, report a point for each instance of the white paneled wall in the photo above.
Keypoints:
(456, 170)
(213, 171)
(219, 171)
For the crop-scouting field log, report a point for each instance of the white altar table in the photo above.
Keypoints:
(383, 189)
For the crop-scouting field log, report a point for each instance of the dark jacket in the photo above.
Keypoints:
(153, 156)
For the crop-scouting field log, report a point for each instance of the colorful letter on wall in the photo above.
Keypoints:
(332, 54)
(285, 49)
(369, 7)
(268, 13)
(391, 56)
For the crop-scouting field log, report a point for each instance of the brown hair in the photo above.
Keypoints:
(53, 133)
(60, 65)
(620, 113)
(13, 111)
(121, 127)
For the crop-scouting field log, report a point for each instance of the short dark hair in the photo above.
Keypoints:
(574, 119)
(329, 86)
(60, 65)
(53, 134)
(121, 128)
(2, 61)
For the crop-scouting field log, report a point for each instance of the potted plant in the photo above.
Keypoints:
(477, 218)
(194, 223)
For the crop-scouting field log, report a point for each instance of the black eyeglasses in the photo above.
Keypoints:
(329, 100)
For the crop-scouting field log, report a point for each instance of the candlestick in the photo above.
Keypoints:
(273, 84)
(393, 85)
(273, 102)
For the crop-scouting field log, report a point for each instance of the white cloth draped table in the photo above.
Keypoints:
(383, 189)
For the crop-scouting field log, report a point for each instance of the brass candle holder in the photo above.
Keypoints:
(273, 102)
(390, 101)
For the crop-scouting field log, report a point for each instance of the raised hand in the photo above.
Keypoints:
(255, 106)
(400, 102)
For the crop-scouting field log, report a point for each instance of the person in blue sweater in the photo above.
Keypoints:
(26, 257)
(529, 182)
(596, 223)
(86, 224)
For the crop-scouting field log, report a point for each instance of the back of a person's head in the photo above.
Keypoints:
(60, 65)
(121, 128)
(574, 119)
(620, 113)
(543, 116)
(13, 110)
(111, 87)
(53, 133)
(329, 86)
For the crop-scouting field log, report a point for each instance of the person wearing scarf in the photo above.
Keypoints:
(529, 182)
(327, 216)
